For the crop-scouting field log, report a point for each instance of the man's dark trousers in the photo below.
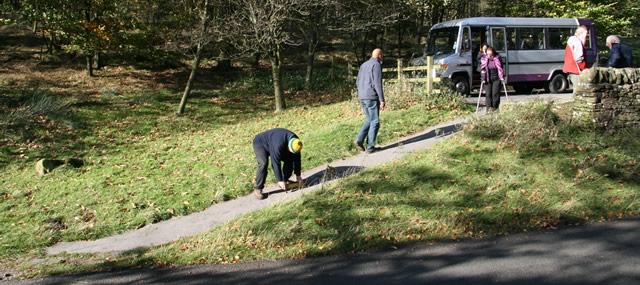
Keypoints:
(262, 155)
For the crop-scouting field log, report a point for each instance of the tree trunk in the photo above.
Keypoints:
(98, 60)
(276, 74)
(89, 58)
(51, 43)
(311, 54)
(383, 38)
(192, 77)
(224, 63)
(400, 29)
(354, 46)
(420, 25)
(256, 60)
(363, 50)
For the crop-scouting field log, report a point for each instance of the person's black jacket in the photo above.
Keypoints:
(276, 143)
(620, 56)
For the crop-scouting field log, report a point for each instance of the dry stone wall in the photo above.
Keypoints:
(608, 98)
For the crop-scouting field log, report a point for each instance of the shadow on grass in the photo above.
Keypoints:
(439, 132)
(327, 175)
(21, 40)
(611, 155)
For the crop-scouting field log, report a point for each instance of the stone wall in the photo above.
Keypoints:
(608, 98)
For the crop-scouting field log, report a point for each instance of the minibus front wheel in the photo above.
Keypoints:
(461, 85)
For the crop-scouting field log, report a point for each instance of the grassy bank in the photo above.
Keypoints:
(522, 170)
(534, 174)
(144, 164)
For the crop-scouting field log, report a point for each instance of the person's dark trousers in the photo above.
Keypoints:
(492, 93)
(287, 170)
(261, 173)
(371, 110)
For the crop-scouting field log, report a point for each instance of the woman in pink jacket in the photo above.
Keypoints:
(492, 75)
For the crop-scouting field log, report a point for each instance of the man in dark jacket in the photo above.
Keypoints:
(371, 98)
(282, 146)
(620, 55)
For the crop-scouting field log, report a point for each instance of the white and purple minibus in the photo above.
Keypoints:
(532, 50)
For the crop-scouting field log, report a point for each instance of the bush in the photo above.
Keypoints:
(34, 107)
(405, 95)
(526, 128)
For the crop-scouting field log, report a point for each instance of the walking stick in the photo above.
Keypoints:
(479, 95)
(505, 90)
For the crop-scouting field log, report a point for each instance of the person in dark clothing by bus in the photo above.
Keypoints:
(620, 54)
(481, 54)
(493, 76)
(283, 146)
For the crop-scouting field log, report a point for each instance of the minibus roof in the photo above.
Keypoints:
(513, 22)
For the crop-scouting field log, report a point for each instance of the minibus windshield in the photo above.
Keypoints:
(442, 41)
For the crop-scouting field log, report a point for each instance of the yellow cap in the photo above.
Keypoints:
(295, 145)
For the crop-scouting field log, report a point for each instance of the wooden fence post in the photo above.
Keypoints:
(429, 74)
(399, 70)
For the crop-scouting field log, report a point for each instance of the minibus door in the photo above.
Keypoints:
(497, 38)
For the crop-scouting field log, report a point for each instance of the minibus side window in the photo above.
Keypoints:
(511, 38)
(531, 38)
(558, 37)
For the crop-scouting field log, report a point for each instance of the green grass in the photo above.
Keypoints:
(144, 164)
(471, 186)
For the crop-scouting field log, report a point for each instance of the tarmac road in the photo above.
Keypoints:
(606, 253)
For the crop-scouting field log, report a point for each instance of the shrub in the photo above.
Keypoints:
(35, 107)
(405, 95)
(526, 128)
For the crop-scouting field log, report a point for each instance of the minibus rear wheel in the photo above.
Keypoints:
(461, 85)
(557, 84)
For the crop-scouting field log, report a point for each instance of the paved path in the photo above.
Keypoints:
(606, 253)
(173, 229)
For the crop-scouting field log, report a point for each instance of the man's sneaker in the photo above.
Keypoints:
(359, 145)
(373, 149)
(259, 195)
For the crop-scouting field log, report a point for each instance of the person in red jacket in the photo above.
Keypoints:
(574, 55)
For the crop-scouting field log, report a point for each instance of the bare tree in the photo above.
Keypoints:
(311, 28)
(313, 25)
(363, 20)
(197, 23)
(262, 26)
